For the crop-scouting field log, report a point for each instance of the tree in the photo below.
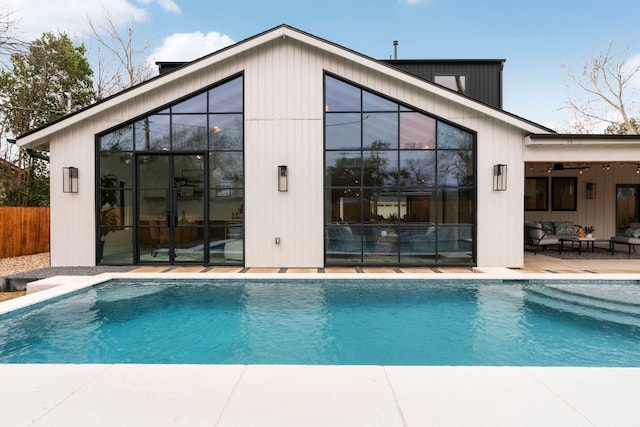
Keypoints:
(47, 80)
(605, 81)
(9, 42)
(125, 50)
(622, 128)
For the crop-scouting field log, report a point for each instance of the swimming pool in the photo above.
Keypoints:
(360, 322)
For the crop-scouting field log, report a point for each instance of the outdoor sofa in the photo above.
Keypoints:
(543, 234)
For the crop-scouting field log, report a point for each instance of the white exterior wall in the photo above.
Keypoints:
(72, 237)
(284, 125)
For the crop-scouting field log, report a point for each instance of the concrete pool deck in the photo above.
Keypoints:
(278, 395)
(296, 395)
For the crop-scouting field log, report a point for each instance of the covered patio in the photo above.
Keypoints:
(589, 180)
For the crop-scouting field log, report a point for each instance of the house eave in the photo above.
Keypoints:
(581, 140)
(41, 136)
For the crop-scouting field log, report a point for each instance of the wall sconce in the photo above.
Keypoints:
(499, 177)
(282, 178)
(591, 190)
(70, 179)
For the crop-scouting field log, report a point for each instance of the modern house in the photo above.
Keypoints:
(287, 150)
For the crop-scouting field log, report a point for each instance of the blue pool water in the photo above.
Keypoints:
(373, 322)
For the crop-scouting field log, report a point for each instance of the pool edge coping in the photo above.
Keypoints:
(58, 286)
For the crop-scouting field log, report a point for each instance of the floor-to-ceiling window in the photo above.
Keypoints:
(171, 183)
(627, 206)
(399, 183)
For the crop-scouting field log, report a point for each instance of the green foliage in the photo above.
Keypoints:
(622, 128)
(28, 187)
(35, 92)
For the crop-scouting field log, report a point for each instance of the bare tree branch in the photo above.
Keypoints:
(125, 50)
(9, 41)
(605, 82)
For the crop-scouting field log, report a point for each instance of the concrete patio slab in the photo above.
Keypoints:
(478, 396)
(602, 395)
(312, 396)
(31, 392)
(302, 395)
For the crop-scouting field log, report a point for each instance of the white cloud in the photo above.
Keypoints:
(411, 2)
(70, 16)
(189, 46)
(167, 5)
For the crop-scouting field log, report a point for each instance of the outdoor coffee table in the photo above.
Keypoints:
(589, 241)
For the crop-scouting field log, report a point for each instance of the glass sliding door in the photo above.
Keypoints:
(171, 208)
(627, 206)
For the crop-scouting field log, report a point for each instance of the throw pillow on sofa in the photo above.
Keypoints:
(548, 227)
(633, 232)
(564, 228)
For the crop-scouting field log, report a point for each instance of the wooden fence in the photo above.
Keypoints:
(23, 231)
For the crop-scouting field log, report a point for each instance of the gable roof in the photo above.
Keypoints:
(41, 135)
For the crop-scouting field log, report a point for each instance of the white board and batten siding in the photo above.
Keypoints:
(283, 81)
(285, 127)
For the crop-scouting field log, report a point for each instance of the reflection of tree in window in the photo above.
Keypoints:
(118, 140)
(454, 168)
(152, 133)
(417, 168)
(227, 168)
(226, 132)
(376, 171)
(453, 138)
(345, 170)
(189, 131)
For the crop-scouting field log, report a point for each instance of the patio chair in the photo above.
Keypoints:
(536, 237)
(631, 238)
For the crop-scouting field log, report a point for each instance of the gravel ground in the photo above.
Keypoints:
(16, 272)
(23, 263)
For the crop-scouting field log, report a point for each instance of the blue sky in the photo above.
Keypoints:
(540, 40)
